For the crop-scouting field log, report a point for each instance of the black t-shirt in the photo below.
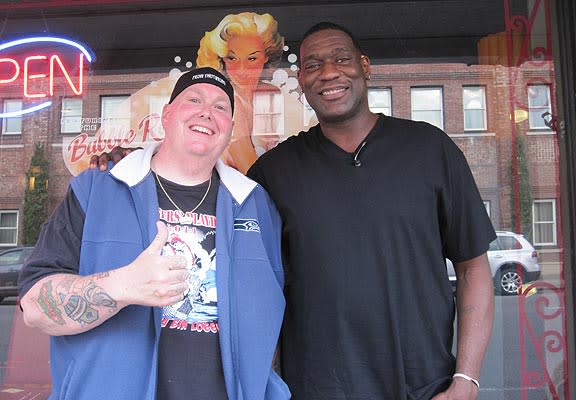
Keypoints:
(189, 362)
(370, 309)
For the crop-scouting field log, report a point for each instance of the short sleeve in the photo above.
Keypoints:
(469, 230)
(58, 247)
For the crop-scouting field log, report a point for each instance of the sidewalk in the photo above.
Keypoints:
(27, 374)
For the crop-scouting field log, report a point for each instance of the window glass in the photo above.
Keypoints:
(380, 101)
(487, 206)
(491, 74)
(268, 113)
(539, 104)
(115, 115)
(71, 120)
(8, 227)
(544, 222)
(474, 108)
(494, 245)
(427, 106)
(12, 125)
(509, 243)
(11, 257)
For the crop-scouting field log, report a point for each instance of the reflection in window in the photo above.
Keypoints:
(156, 104)
(8, 228)
(508, 243)
(12, 125)
(544, 221)
(71, 116)
(115, 114)
(309, 114)
(538, 104)
(474, 102)
(11, 257)
(268, 113)
(427, 106)
(380, 101)
(487, 206)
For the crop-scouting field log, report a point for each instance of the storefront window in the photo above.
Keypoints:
(486, 73)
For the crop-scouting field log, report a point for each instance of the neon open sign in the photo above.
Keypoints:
(41, 67)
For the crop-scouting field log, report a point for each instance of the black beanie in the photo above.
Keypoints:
(203, 75)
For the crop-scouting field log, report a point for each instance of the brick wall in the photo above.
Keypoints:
(488, 153)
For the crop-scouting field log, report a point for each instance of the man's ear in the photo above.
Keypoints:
(165, 112)
(365, 61)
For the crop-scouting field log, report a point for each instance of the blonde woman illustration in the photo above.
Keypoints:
(243, 46)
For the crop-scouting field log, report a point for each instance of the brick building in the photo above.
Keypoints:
(473, 104)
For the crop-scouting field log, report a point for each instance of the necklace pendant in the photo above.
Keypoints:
(186, 220)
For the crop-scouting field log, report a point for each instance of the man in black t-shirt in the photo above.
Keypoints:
(371, 206)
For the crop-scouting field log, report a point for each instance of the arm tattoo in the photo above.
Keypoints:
(80, 299)
(48, 304)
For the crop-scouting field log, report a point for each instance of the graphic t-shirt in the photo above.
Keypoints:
(189, 362)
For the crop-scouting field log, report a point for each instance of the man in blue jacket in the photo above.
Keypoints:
(162, 279)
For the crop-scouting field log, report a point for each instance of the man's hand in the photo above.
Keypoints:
(67, 304)
(460, 389)
(115, 155)
(153, 279)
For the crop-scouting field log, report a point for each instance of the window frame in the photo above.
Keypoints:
(115, 121)
(376, 109)
(484, 128)
(5, 119)
(488, 207)
(3, 228)
(440, 110)
(553, 222)
(62, 117)
(542, 110)
(273, 98)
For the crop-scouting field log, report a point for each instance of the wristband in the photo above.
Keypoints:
(468, 378)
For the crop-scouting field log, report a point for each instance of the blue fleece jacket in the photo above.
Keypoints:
(118, 359)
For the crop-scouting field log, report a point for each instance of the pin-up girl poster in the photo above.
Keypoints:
(247, 48)
(243, 46)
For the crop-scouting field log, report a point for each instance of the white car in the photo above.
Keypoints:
(513, 261)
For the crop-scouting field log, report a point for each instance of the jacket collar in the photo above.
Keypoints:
(133, 168)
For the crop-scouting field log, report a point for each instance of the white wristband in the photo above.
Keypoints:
(468, 378)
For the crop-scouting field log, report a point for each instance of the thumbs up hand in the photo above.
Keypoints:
(153, 279)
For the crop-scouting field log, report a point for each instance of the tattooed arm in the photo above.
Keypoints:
(67, 304)
(475, 310)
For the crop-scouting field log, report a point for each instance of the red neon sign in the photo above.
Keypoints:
(37, 73)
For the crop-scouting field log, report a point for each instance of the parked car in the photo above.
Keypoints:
(10, 265)
(513, 261)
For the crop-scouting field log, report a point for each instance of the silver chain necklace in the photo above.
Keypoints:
(185, 219)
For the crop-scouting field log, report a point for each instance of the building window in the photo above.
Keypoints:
(12, 125)
(308, 114)
(156, 104)
(115, 116)
(544, 222)
(427, 106)
(487, 206)
(474, 102)
(538, 105)
(8, 228)
(380, 101)
(71, 116)
(268, 113)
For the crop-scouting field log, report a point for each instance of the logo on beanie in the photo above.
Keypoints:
(209, 76)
